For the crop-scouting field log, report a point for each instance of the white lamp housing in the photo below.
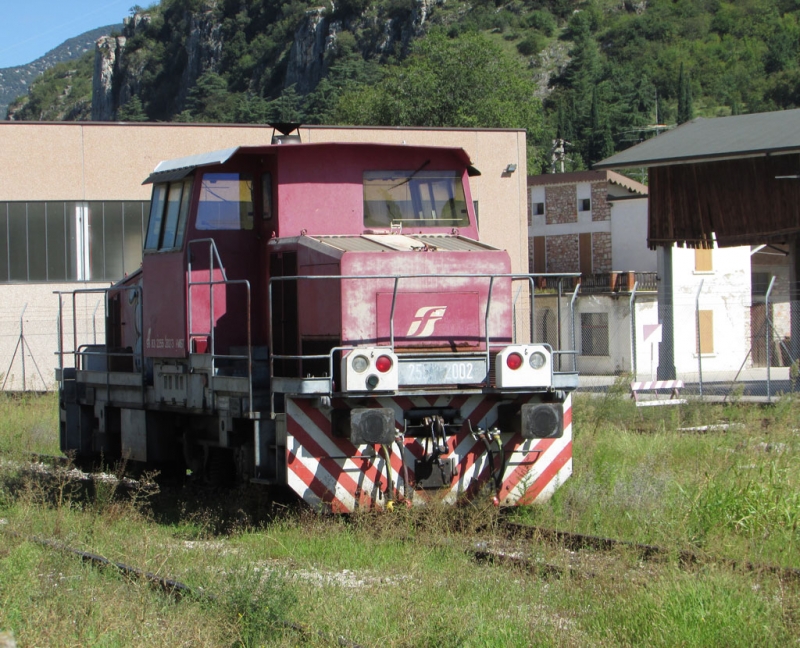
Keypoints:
(524, 365)
(371, 369)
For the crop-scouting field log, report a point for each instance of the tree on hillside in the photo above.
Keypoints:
(210, 101)
(132, 111)
(584, 68)
(685, 108)
(600, 144)
(467, 81)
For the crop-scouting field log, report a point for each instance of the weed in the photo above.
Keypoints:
(258, 603)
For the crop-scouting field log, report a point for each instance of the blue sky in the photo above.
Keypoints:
(29, 28)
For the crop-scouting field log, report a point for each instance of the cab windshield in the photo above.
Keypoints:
(414, 198)
(226, 202)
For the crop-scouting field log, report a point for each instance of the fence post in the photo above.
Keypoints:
(699, 349)
(768, 337)
(572, 323)
(94, 323)
(632, 306)
(558, 311)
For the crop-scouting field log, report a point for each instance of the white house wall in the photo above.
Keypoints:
(629, 249)
(647, 347)
(726, 292)
(617, 309)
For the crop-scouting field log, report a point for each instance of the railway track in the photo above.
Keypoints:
(483, 550)
(169, 586)
(580, 542)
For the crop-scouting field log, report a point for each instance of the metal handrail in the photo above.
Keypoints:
(530, 278)
(76, 351)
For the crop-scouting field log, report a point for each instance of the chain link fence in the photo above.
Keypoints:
(722, 346)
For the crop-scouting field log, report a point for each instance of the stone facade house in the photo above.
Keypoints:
(595, 223)
(571, 229)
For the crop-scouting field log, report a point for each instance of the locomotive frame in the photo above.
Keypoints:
(322, 317)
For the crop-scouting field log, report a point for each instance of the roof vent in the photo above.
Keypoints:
(284, 133)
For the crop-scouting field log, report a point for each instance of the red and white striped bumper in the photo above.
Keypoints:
(331, 472)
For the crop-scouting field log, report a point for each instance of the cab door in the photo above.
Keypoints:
(163, 274)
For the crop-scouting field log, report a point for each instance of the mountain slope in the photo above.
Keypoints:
(599, 75)
(16, 81)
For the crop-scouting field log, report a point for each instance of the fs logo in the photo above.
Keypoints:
(425, 320)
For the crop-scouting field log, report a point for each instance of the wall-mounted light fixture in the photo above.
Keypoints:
(510, 168)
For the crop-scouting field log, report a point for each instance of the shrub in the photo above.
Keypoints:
(532, 44)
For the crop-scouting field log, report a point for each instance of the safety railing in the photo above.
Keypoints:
(529, 279)
(95, 357)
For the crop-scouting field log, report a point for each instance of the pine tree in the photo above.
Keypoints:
(132, 111)
(685, 108)
(600, 142)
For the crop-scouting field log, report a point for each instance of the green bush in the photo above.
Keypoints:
(532, 44)
(541, 20)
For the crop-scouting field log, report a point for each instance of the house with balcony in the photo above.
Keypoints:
(595, 223)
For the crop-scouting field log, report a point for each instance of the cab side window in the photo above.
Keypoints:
(169, 208)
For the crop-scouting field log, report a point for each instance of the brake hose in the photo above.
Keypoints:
(390, 487)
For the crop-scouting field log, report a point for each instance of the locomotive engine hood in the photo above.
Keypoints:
(419, 291)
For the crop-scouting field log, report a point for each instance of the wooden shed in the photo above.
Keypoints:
(735, 180)
(721, 182)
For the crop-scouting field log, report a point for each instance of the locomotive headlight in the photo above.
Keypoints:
(360, 363)
(537, 360)
(370, 369)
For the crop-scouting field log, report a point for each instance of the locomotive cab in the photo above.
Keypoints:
(324, 317)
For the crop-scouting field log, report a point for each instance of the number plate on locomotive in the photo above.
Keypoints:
(442, 372)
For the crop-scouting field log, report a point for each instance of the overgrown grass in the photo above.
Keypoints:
(405, 579)
(643, 475)
(28, 423)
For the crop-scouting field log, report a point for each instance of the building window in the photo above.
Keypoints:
(594, 334)
(585, 204)
(705, 320)
(69, 241)
(539, 250)
(536, 209)
(760, 283)
(702, 260)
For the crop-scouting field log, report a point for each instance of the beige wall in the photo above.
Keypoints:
(104, 161)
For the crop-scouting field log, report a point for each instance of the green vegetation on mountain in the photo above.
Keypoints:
(593, 76)
(61, 93)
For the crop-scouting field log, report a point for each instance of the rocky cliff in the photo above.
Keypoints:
(197, 45)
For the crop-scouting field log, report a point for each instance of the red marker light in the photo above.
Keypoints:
(514, 361)
(384, 363)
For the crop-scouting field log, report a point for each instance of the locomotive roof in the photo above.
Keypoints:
(178, 168)
(401, 242)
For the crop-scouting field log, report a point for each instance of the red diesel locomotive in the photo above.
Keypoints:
(322, 317)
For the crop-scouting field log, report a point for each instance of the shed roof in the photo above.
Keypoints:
(703, 140)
